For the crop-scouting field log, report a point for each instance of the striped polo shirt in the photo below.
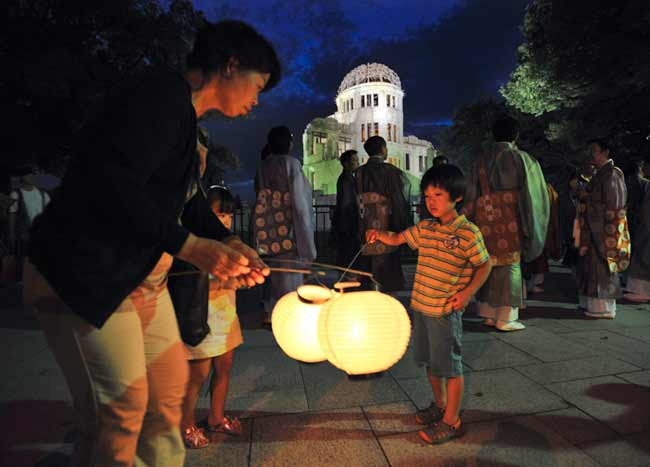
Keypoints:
(447, 257)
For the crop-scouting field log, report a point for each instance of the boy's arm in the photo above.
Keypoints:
(462, 297)
(389, 238)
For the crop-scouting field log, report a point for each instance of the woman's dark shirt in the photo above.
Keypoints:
(118, 207)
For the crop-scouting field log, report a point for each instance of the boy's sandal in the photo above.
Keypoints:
(441, 433)
(230, 426)
(194, 438)
(431, 414)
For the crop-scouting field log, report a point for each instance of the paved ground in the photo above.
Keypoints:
(564, 392)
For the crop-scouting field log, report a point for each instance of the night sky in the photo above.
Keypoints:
(447, 53)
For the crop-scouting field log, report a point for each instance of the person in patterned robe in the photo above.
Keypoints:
(510, 169)
(638, 282)
(379, 177)
(282, 175)
(604, 239)
(346, 212)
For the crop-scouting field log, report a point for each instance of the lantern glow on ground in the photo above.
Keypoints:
(295, 323)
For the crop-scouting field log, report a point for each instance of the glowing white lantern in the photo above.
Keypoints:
(295, 322)
(363, 332)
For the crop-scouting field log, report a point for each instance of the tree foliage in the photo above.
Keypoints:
(584, 70)
(63, 55)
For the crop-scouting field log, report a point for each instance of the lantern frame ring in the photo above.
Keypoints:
(314, 300)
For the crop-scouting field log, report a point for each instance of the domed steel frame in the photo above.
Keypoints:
(371, 72)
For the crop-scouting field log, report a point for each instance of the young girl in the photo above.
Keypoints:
(215, 351)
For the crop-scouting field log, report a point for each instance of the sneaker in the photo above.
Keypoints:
(440, 433)
(510, 326)
(429, 415)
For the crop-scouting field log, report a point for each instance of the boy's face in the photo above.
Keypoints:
(439, 203)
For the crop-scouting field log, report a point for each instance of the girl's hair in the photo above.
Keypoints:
(221, 195)
(217, 43)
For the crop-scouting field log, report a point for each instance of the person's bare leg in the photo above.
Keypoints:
(199, 371)
(455, 389)
(439, 389)
(219, 390)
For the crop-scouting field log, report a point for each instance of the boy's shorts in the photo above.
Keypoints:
(437, 343)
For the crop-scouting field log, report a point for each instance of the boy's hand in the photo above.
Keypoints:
(460, 300)
(583, 250)
(372, 235)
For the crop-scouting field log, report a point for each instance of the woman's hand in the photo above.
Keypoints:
(259, 270)
(214, 257)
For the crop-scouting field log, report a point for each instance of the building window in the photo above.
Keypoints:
(351, 104)
(407, 161)
(389, 132)
(421, 164)
(368, 102)
(363, 131)
(319, 138)
(343, 145)
(376, 129)
(387, 100)
(375, 100)
(363, 101)
(369, 126)
(393, 101)
(395, 133)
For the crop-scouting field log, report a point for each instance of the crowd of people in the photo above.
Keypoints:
(134, 284)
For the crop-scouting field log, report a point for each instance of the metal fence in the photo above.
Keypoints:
(323, 235)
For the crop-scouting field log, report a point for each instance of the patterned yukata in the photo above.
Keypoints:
(511, 169)
(603, 231)
(282, 174)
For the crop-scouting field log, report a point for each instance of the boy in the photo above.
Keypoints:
(453, 263)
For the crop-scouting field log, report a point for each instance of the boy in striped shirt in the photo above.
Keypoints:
(453, 263)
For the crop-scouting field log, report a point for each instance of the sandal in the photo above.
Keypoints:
(194, 438)
(441, 433)
(230, 426)
(430, 415)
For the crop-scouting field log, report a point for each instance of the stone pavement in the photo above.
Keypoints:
(564, 392)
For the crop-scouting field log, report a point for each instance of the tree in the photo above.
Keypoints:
(584, 70)
(219, 159)
(63, 55)
(470, 134)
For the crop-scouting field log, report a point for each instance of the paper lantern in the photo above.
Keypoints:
(363, 332)
(295, 322)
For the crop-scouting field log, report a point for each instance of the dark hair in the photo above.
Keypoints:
(217, 43)
(448, 177)
(505, 128)
(374, 145)
(602, 144)
(279, 140)
(439, 160)
(346, 156)
(221, 195)
(266, 152)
